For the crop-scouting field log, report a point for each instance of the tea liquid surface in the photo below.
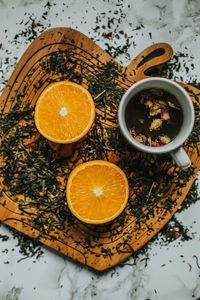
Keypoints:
(154, 113)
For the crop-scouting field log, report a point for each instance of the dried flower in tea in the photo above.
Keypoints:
(154, 117)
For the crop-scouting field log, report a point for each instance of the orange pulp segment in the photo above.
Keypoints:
(97, 191)
(64, 112)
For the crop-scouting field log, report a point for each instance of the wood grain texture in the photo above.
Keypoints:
(72, 240)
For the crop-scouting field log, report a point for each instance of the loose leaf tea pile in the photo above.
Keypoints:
(34, 171)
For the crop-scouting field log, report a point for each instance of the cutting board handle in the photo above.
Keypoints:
(152, 56)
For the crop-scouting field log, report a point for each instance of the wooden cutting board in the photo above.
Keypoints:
(99, 247)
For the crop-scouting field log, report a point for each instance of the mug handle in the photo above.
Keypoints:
(181, 158)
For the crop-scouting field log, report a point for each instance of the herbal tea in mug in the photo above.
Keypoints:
(156, 115)
(153, 117)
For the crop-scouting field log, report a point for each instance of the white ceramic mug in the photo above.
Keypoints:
(175, 146)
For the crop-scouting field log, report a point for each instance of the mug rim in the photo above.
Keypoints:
(177, 141)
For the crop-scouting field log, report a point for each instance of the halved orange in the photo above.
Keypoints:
(64, 112)
(97, 191)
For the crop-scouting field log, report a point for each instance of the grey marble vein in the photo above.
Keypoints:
(13, 294)
(2, 3)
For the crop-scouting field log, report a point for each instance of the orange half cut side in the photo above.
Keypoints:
(97, 191)
(64, 112)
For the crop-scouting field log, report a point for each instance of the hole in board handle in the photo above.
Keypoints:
(156, 53)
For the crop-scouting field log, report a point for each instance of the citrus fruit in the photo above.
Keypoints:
(64, 112)
(97, 191)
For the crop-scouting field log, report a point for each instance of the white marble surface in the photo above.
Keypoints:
(172, 271)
